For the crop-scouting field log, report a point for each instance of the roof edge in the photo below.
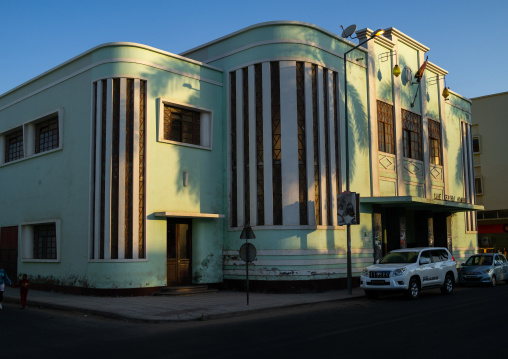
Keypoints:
(270, 23)
(109, 44)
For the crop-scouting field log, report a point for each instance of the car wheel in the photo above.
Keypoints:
(413, 290)
(371, 294)
(447, 287)
(493, 281)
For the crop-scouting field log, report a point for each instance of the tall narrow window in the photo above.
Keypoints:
(412, 135)
(327, 149)
(302, 156)
(246, 177)
(234, 210)
(14, 145)
(315, 130)
(276, 144)
(259, 144)
(336, 130)
(115, 178)
(385, 127)
(46, 135)
(435, 142)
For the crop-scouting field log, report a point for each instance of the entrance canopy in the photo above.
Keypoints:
(188, 215)
(419, 203)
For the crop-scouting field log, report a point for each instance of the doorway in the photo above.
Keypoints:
(9, 251)
(179, 252)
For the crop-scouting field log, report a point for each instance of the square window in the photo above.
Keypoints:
(46, 135)
(185, 125)
(40, 241)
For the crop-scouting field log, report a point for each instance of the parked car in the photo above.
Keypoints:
(411, 270)
(485, 268)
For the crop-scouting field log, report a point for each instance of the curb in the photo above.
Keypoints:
(127, 318)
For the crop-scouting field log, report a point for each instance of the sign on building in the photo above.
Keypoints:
(348, 208)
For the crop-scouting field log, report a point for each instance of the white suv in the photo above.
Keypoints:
(411, 270)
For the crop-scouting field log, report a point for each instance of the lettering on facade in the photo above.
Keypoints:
(450, 198)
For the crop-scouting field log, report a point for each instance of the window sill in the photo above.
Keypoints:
(30, 157)
(31, 260)
(184, 144)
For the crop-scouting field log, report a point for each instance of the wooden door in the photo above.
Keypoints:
(179, 252)
(9, 251)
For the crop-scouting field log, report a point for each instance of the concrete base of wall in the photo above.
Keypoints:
(298, 286)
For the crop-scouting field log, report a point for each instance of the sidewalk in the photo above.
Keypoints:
(222, 304)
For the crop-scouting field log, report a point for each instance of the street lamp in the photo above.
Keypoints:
(349, 279)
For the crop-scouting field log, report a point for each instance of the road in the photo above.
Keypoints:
(468, 324)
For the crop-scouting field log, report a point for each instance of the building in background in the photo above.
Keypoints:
(128, 167)
(490, 150)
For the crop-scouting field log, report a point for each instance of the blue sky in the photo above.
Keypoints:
(466, 38)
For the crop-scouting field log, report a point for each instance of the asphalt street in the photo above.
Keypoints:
(470, 323)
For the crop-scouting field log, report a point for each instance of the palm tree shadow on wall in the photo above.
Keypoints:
(359, 138)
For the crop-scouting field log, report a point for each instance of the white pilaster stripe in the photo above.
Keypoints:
(135, 173)
(372, 109)
(471, 165)
(267, 144)
(322, 149)
(397, 120)
(425, 130)
(444, 149)
(240, 184)
(253, 173)
(107, 175)
(98, 175)
(121, 167)
(289, 144)
(309, 146)
(332, 201)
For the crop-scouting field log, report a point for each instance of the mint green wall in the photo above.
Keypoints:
(432, 97)
(383, 72)
(56, 185)
(408, 57)
(53, 185)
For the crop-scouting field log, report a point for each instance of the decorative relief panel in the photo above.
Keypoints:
(387, 163)
(436, 173)
(413, 168)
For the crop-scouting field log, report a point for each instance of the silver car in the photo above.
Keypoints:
(485, 268)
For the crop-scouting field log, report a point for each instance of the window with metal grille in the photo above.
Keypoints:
(234, 200)
(46, 135)
(182, 125)
(435, 142)
(14, 145)
(302, 155)
(258, 69)
(478, 185)
(315, 135)
(276, 143)
(44, 241)
(385, 127)
(412, 135)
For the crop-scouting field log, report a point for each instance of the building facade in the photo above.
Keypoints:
(129, 167)
(489, 147)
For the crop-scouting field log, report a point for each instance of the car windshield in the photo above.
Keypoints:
(479, 261)
(400, 257)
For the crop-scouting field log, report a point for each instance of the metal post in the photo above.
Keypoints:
(346, 132)
(247, 273)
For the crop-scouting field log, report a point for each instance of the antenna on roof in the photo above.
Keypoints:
(350, 30)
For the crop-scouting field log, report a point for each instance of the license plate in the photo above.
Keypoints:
(377, 281)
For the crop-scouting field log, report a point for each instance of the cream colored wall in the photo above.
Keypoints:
(490, 118)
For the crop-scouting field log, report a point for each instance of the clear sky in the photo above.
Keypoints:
(467, 38)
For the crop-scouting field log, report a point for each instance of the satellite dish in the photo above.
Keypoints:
(350, 30)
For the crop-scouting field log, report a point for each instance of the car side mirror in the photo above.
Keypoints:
(377, 262)
(425, 261)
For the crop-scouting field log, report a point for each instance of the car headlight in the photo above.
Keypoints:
(487, 271)
(398, 272)
(365, 272)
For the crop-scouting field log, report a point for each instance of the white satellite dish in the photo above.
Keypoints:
(350, 30)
